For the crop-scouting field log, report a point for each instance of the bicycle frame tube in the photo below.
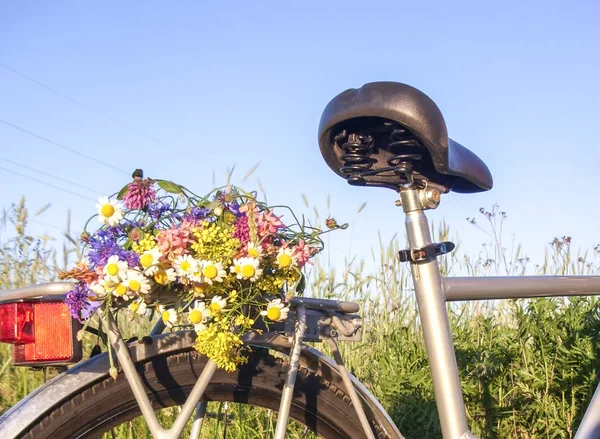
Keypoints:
(434, 320)
(491, 288)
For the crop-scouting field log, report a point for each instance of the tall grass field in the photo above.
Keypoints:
(528, 367)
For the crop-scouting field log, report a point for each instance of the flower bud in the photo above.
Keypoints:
(114, 373)
(85, 237)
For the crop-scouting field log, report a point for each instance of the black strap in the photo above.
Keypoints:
(426, 253)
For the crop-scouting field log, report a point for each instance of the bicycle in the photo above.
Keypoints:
(384, 135)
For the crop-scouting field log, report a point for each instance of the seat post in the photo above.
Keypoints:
(427, 282)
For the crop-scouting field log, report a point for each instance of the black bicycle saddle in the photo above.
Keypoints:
(386, 133)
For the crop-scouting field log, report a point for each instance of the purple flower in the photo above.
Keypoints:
(234, 207)
(197, 214)
(77, 299)
(103, 245)
(157, 209)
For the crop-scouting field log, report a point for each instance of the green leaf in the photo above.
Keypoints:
(122, 192)
(169, 186)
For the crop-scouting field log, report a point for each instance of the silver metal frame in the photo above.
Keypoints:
(432, 292)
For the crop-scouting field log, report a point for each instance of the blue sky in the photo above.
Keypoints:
(241, 83)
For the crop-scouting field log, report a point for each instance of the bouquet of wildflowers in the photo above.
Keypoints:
(215, 263)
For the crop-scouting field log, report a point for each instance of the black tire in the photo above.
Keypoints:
(169, 378)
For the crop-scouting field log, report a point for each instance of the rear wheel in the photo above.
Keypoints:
(317, 404)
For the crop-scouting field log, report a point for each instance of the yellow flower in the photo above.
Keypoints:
(148, 242)
(221, 346)
(214, 242)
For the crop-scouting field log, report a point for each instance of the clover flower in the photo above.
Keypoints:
(139, 193)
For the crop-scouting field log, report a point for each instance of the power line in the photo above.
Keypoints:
(93, 110)
(62, 229)
(47, 184)
(64, 180)
(62, 146)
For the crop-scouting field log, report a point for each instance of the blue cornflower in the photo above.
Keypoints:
(77, 299)
(158, 209)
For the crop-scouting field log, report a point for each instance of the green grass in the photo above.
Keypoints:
(528, 367)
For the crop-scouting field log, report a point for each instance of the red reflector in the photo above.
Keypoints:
(16, 322)
(44, 333)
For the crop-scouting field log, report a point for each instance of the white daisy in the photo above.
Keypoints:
(137, 282)
(276, 311)
(198, 316)
(185, 266)
(107, 285)
(98, 289)
(164, 277)
(168, 316)
(115, 269)
(138, 307)
(285, 258)
(110, 212)
(254, 251)
(149, 260)
(246, 268)
(120, 290)
(217, 305)
(212, 272)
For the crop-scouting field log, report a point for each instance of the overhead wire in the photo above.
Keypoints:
(64, 180)
(93, 110)
(47, 184)
(100, 162)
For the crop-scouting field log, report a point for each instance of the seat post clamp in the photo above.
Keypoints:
(427, 253)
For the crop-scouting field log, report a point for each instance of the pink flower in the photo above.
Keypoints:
(139, 193)
(173, 242)
(303, 253)
(248, 208)
(242, 230)
(268, 224)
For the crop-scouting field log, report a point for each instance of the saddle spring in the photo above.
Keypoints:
(356, 158)
(358, 162)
